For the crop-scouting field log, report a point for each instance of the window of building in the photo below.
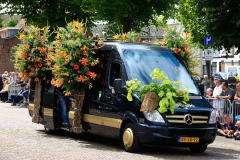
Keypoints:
(214, 67)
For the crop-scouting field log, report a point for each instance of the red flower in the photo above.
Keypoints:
(88, 73)
(25, 55)
(184, 61)
(43, 38)
(32, 68)
(177, 50)
(72, 39)
(40, 65)
(76, 66)
(45, 57)
(84, 52)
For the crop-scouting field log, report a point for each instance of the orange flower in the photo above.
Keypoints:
(100, 43)
(66, 61)
(80, 79)
(53, 82)
(36, 79)
(92, 75)
(84, 61)
(68, 93)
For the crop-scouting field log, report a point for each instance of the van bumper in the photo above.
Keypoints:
(169, 136)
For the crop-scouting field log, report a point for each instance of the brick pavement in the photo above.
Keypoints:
(20, 139)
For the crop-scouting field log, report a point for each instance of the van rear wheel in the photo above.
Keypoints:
(130, 139)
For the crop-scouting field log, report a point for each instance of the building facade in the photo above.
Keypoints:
(8, 39)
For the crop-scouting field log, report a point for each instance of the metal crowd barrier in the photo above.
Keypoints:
(235, 110)
(225, 107)
(13, 89)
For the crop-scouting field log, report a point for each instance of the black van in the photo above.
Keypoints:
(107, 111)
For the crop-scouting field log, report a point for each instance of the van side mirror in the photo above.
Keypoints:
(118, 86)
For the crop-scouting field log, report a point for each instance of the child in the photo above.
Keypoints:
(228, 128)
(237, 133)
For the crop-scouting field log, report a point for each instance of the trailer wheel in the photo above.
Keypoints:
(198, 149)
(130, 139)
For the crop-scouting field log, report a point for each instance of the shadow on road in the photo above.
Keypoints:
(103, 143)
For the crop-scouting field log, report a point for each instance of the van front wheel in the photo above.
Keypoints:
(130, 139)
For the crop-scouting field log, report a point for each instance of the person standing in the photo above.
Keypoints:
(218, 105)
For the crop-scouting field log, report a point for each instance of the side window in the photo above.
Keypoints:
(115, 72)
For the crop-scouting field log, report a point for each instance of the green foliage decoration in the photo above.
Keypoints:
(168, 91)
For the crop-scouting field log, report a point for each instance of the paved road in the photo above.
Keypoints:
(20, 139)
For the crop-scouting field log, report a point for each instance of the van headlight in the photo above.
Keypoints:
(212, 118)
(153, 117)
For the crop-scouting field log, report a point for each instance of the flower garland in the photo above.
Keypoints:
(31, 55)
(176, 41)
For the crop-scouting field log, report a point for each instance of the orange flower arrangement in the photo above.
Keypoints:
(73, 58)
(31, 54)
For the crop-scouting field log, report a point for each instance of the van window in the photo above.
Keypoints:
(140, 63)
(115, 72)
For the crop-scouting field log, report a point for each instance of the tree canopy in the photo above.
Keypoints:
(48, 12)
(127, 15)
(219, 19)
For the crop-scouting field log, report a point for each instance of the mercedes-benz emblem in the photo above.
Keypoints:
(188, 119)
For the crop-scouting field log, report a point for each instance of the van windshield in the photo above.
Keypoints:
(140, 63)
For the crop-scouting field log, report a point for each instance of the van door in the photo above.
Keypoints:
(49, 108)
(113, 108)
(93, 113)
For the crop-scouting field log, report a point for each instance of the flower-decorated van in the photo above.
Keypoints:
(108, 112)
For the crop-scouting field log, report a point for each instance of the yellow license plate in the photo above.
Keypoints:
(188, 139)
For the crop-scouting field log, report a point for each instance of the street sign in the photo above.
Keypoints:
(208, 54)
(207, 40)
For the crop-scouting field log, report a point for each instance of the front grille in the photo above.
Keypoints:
(179, 119)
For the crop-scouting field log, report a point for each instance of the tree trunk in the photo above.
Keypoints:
(37, 100)
(77, 120)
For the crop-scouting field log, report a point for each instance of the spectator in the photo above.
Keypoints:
(11, 76)
(237, 95)
(209, 93)
(227, 93)
(218, 105)
(237, 133)
(17, 97)
(4, 91)
(228, 128)
(1, 83)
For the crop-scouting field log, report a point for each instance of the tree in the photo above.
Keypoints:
(1, 22)
(48, 12)
(218, 19)
(12, 22)
(127, 15)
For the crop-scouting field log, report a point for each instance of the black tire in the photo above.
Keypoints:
(130, 139)
(198, 149)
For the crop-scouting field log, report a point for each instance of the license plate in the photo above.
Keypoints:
(188, 139)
